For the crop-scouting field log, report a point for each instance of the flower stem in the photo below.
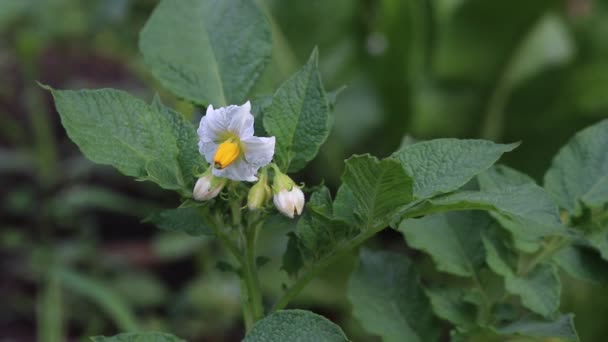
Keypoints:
(250, 274)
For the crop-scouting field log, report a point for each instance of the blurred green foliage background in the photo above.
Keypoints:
(76, 258)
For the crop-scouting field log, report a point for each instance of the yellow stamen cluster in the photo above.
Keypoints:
(226, 154)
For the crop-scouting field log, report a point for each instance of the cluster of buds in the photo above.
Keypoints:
(287, 196)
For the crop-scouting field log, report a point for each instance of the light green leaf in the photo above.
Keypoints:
(138, 337)
(380, 188)
(562, 328)
(525, 210)
(189, 158)
(208, 52)
(140, 140)
(299, 117)
(444, 165)
(187, 220)
(448, 304)
(452, 239)
(599, 240)
(583, 263)
(579, 171)
(388, 300)
(295, 326)
(539, 289)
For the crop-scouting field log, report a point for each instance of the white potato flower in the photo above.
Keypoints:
(208, 187)
(226, 141)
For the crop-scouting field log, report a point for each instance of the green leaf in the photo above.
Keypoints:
(344, 203)
(105, 298)
(525, 210)
(208, 52)
(189, 158)
(539, 289)
(388, 300)
(452, 239)
(562, 328)
(583, 263)
(138, 337)
(187, 220)
(448, 304)
(380, 188)
(295, 326)
(599, 240)
(444, 165)
(292, 260)
(579, 171)
(299, 117)
(140, 140)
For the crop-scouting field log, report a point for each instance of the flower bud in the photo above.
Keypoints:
(259, 193)
(208, 186)
(288, 198)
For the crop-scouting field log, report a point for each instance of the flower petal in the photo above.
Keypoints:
(241, 120)
(259, 151)
(239, 170)
(207, 148)
(213, 125)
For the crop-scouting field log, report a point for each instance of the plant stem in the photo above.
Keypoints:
(247, 317)
(319, 266)
(554, 244)
(250, 275)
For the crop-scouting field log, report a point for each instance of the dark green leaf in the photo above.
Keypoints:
(444, 165)
(583, 263)
(140, 140)
(138, 337)
(452, 239)
(295, 326)
(208, 52)
(388, 300)
(299, 117)
(380, 188)
(562, 328)
(579, 171)
(187, 220)
(449, 304)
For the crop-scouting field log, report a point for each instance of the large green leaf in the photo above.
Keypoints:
(388, 300)
(579, 171)
(380, 188)
(562, 328)
(138, 337)
(187, 220)
(538, 288)
(449, 304)
(206, 51)
(299, 117)
(148, 142)
(583, 263)
(444, 165)
(452, 239)
(295, 326)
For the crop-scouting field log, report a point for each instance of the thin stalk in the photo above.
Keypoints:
(554, 244)
(318, 267)
(251, 275)
(247, 316)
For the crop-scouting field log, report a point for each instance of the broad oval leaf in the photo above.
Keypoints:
(207, 51)
(295, 326)
(444, 165)
(299, 117)
(388, 300)
(452, 239)
(562, 328)
(138, 337)
(579, 171)
(149, 142)
(188, 220)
